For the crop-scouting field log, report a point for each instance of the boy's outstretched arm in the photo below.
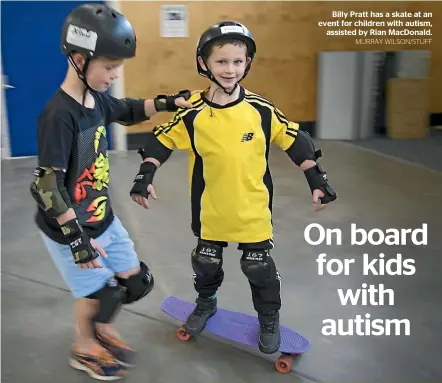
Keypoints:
(303, 153)
(154, 154)
(160, 144)
(299, 146)
(130, 111)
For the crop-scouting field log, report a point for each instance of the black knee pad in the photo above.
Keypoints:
(258, 266)
(137, 286)
(110, 297)
(206, 258)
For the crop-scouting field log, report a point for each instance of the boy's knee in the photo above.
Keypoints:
(207, 258)
(258, 266)
(138, 282)
(128, 273)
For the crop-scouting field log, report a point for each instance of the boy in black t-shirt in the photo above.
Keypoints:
(87, 242)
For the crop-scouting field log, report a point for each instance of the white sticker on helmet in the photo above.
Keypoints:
(81, 37)
(232, 29)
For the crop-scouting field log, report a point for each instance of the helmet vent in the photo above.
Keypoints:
(114, 15)
(127, 42)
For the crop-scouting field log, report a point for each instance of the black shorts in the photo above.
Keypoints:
(263, 245)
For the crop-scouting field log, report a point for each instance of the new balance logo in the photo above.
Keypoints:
(247, 137)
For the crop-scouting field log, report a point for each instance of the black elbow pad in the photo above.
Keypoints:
(155, 149)
(303, 149)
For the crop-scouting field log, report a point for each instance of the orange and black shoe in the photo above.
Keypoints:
(98, 363)
(122, 353)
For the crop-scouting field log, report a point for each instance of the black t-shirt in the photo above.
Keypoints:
(73, 137)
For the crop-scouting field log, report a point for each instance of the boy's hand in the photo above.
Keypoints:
(84, 249)
(96, 263)
(181, 102)
(171, 103)
(316, 202)
(142, 201)
(318, 183)
(143, 187)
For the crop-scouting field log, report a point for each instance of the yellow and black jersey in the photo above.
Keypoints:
(229, 178)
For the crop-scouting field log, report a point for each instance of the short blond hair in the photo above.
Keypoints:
(220, 43)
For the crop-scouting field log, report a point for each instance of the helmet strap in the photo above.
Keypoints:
(81, 73)
(212, 78)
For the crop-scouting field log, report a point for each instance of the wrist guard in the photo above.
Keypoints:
(143, 179)
(79, 242)
(166, 103)
(317, 179)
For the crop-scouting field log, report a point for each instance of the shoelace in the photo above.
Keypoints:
(268, 327)
(199, 311)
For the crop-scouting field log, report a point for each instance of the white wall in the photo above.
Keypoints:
(338, 95)
(5, 147)
(119, 139)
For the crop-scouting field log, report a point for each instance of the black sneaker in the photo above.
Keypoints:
(269, 335)
(204, 310)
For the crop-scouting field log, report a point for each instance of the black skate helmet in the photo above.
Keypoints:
(225, 30)
(97, 31)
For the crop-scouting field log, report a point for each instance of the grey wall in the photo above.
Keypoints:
(349, 86)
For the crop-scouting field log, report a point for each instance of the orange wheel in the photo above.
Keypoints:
(182, 334)
(283, 364)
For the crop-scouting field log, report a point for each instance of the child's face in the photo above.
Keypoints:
(101, 72)
(228, 63)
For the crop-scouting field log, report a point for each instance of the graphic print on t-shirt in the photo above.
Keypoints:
(92, 184)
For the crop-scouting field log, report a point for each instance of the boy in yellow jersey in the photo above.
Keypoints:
(228, 133)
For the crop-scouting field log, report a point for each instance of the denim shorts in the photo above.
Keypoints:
(121, 256)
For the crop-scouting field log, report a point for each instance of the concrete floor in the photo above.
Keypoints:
(374, 192)
(426, 152)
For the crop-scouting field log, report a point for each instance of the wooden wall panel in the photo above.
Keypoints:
(288, 42)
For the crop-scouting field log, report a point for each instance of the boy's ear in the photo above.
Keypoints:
(79, 59)
(201, 62)
(248, 60)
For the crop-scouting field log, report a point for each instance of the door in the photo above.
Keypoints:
(33, 64)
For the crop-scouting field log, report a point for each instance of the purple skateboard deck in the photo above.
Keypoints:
(236, 326)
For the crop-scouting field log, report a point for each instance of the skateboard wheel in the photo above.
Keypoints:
(182, 334)
(283, 364)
